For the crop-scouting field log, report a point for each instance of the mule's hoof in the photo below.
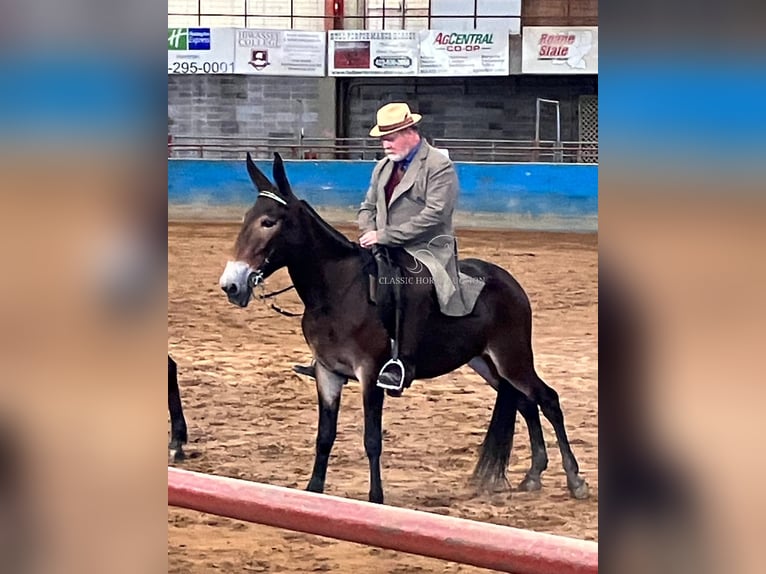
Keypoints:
(530, 484)
(580, 491)
(177, 454)
(314, 487)
(376, 497)
(497, 486)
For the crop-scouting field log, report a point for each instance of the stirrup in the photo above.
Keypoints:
(392, 387)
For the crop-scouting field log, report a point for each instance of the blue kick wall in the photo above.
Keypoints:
(566, 190)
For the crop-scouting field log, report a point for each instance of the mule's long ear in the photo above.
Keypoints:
(260, 181)
(280, 177)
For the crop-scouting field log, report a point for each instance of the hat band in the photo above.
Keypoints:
(407, 121)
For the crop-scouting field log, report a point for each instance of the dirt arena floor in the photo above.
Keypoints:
(250, 417)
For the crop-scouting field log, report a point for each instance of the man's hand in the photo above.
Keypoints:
(368, 239)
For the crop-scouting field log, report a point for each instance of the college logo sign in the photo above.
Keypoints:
(259, 59)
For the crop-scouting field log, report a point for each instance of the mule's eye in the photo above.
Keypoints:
(268, 222)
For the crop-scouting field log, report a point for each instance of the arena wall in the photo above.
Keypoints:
(568, 192)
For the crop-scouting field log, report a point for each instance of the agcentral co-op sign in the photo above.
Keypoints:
(455, 42)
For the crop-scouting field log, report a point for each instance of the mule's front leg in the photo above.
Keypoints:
(329, 386)
(373, 436)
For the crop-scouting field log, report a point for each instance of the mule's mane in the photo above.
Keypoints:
(341, 239)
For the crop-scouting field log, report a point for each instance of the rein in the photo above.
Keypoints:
(256, 281)
(274, 294)
(281, 311)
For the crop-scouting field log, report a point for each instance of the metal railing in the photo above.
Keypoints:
(488, 150)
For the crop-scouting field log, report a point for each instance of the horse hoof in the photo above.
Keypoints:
(530, 484)
(580, 491)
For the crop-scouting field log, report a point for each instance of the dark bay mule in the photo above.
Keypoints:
(349, 341)
(177, 421)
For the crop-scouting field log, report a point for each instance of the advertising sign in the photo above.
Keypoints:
(200, 50)
(464, 53)
(372, 53)
(559, 50)
(279, 52)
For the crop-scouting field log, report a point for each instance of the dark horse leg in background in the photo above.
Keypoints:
(177, 422)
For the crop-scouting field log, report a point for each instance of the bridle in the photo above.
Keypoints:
(256, 278)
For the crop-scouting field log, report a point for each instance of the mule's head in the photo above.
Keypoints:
(265, 234)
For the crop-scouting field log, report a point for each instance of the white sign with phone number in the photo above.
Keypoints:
(201, 50)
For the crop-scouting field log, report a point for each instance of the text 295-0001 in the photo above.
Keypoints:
(201, 67)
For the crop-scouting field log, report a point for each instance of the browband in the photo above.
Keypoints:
(273, 196)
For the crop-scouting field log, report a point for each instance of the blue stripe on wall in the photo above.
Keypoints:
(525, 188)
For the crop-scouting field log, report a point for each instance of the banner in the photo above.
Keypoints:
(372, 53)
(200, 50)
(464, 53)
(279, 52)
(559, 50)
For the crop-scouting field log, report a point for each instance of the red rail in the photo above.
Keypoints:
(464, 541)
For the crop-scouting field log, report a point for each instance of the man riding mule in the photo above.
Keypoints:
(406, 219)
(349, 340)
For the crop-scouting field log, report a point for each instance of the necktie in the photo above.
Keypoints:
(396, 177)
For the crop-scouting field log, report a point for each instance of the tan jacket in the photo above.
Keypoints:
(419, 219)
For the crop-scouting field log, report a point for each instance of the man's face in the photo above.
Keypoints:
(398, 144)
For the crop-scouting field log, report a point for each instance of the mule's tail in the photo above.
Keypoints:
(495, 453)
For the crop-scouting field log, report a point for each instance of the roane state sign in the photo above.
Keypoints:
(559, 50)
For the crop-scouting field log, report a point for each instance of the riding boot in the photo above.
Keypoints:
(308, 370)
(413, 304)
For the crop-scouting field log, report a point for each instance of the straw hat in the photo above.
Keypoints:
(392, 118)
